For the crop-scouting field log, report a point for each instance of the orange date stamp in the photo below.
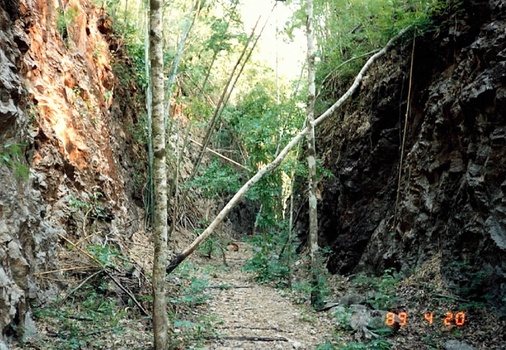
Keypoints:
(450, 319)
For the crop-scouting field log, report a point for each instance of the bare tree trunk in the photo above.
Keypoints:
(311, 156)
(125, 15)
(277, 161)
(248, 56)
(149, 202)
(160, 318)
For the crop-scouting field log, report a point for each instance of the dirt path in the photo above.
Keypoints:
(253, 316)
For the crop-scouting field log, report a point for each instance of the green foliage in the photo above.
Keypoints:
(217, 180)
(320, 289)
(380, 290)
(65, 19)
(90, 204)
(342, 315)
(267, 262)
(136, 53)
(77, 204)
(211, 246)
(326, 346)
(139, 132)
(11, 155)
(192, 292)
(255, 120)
(90, 316)
(376, 344)
(262, 124)
(303, 290)
(220, 37)
(214, 245)
(189, 328)
(104, 254)
(446, 9)
(193, 286)
(190, 332)
(470, 281)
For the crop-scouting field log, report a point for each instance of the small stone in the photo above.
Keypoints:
(457, 345)
(296, 344)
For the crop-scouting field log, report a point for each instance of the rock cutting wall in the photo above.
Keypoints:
(27, 238)
(450, 200)
(61, 98)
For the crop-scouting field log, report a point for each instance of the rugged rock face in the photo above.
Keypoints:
(450, 198)
(26, 237)
(57, 87)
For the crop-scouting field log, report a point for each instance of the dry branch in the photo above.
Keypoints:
(247, 338)
(105, 270)
(281, 156)
(220, 155)
(129, 293)
(80, 285)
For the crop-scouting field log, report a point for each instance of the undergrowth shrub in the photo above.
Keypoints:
(94, 311)
(11, 156)
(379, 291)
(272, 255)
(376, 344)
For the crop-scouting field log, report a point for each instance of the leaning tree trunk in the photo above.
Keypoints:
(311, 156)
(160, 318)
(279, 159)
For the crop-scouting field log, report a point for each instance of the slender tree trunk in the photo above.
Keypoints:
(311, 156)
(160, 318)
(279, 159)
(125, 15)
(149, 205)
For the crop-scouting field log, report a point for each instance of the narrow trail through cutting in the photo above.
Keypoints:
(257, 316)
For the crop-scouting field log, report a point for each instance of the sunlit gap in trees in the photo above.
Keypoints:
(289, 53)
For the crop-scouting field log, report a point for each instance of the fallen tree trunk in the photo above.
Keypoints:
(281, 156)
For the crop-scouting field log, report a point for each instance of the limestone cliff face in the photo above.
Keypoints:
(60, 98)
(451, 197)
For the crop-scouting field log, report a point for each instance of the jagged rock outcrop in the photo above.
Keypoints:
(57, 86)
(27, 238)
(451, 197)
